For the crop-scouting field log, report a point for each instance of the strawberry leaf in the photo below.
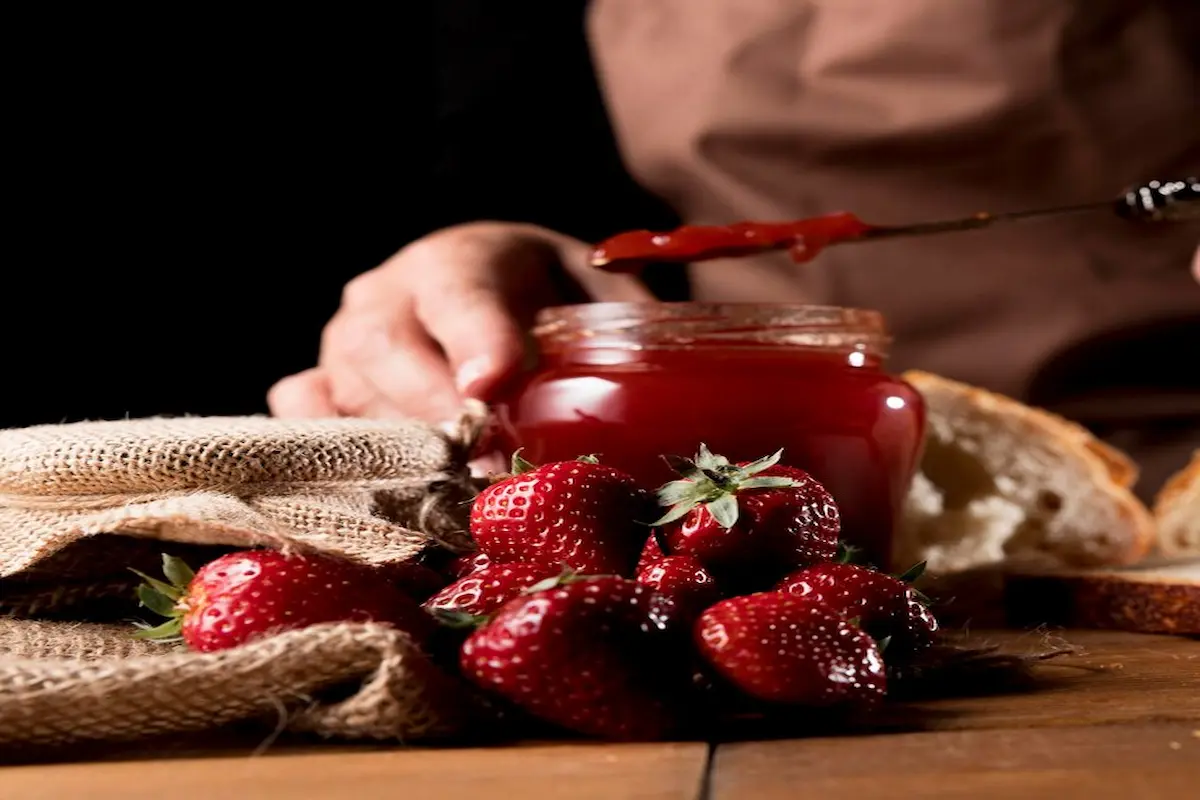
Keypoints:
(846, 553)
(766, 462)
(684, 466)
(706, 459)
(519, 465)
(883, 644)
(458, 620)
(589, 459)
(724, 510)
(169, 631)
(675, 512)
(177, 571)
(568, 575)
(680, 492)
(713, 481)
(912, 573)
(156, 601)
(173, 592)
(767, 483)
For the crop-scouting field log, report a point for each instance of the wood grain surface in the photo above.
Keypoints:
(1119, 719)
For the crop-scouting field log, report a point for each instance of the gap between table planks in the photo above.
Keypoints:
(1121, 719)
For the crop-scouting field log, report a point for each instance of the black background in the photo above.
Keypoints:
(189, 190)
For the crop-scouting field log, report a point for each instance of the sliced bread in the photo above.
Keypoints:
(1005, 485)
(1163, 599)
(1177, 512)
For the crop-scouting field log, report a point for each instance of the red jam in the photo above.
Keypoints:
(802, 238)
(630, 382)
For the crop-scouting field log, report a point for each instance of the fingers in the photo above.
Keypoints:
(442, 320)
(382, 365)
(482, 341)
(303, 395)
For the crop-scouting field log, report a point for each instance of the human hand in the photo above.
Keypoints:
(443, 319)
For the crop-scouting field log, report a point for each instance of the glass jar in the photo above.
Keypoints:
(633, 381)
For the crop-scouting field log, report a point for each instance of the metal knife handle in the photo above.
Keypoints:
(1161, 201)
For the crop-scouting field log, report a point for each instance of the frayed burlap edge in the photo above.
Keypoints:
(62, 683)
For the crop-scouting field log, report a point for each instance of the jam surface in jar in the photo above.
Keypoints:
(631, 382)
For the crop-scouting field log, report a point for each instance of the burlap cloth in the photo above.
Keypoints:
(81, 503)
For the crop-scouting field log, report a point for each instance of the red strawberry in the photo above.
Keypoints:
(749, 524)
(885, 607)
(488, 588)
(784, 649)
(683, 579)
(579, 513)
(245, 595)
(464, 565)
(603, 656)
(651, 552)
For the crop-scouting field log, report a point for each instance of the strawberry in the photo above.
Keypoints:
(252, 593)
(683, 579)
(579, 513)
(886, 607)
(603, 656)
(651, 552)
(464, 565)
(488, 588)
(748, 523)
(784, 649)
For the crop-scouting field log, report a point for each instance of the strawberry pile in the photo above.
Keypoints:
(600, 607)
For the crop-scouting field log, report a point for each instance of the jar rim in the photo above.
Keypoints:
(620, 323)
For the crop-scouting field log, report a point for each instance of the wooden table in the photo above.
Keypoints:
(1121, 720)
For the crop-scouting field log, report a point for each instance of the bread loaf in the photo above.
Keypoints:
(1177, 512)
(1005, 485)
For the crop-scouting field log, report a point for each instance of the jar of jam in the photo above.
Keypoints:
(631, 382)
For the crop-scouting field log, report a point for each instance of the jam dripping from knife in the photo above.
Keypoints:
(804, 239)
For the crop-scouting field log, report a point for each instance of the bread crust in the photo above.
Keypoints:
(1130, 601)
(1181, 486)
(1115, 471)
(1122, 470)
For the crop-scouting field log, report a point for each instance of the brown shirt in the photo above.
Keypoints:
(929, 109)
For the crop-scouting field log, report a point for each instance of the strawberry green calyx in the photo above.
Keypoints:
(567, 575)
(847, 553)
(165, 598)
(911, 574)
(459, 620)
(519, 465)
(713, 482)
